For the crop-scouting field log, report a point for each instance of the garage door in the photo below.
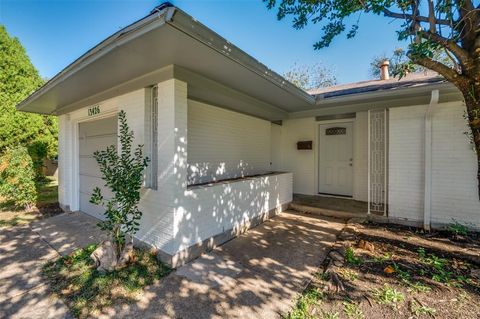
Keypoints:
(93, 136)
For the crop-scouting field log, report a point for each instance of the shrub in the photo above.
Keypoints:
(17, 178)
(122, 172)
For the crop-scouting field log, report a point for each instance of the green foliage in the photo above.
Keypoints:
(350, 257)
(352, 310)
(419, 310)
(18, 79)
(86, 290)
(310, 76)
(123, 175)
(458, 229)
(17, 178)
(310, 297)
(388, 296)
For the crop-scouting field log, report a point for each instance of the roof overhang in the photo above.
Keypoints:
(168, 37)
(419, 95)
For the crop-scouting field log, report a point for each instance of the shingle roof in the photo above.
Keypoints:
(411, 80)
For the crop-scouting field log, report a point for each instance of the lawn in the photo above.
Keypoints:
(87, 292)
(401, 273)
(46, 206)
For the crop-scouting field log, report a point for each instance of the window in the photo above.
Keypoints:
(153, 125)
(336, 131)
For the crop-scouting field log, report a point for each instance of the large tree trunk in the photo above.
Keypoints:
(472, 102)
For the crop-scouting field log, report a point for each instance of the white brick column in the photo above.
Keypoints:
(65, 161)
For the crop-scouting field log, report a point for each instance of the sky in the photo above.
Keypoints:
(57, 32)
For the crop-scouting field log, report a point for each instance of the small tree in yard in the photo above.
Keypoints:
(451, 27)
(122, 172)
(16, 183)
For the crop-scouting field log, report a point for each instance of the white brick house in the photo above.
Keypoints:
(222, 130)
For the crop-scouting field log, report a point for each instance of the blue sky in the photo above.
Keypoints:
(55, 33)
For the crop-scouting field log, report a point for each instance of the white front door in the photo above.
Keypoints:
(336, 159)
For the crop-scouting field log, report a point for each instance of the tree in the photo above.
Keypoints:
(16, 182)
(19, 78)
(309, 77)
(400, 63)
(450, 26)
(123, 175)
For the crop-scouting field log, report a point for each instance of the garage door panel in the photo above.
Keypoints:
(88, 145)
(89, 208)
(89, 166)
(88, 183)
(98, 127)
(93, 136)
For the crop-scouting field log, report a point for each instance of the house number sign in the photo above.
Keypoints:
(94, 110)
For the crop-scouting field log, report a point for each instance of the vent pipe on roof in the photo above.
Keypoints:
(384, 75)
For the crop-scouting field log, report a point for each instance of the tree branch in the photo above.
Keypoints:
(462, 55)
(417, 18)
(449, 73)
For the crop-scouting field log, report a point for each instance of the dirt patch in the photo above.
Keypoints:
(398, 272)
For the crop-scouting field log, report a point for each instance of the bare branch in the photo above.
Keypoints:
(417, 18)
(431, 16)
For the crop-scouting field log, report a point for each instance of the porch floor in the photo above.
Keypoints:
(332, 204)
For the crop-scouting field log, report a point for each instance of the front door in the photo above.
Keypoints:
(336, 159)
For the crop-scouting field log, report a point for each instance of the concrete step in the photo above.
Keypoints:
(325, 212)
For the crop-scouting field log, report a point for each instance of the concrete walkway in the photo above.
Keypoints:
(23, 252)
(257, 275)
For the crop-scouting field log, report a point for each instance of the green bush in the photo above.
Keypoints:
(17, 178)
(123, 174)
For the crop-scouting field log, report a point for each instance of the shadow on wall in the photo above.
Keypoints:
(207, 171)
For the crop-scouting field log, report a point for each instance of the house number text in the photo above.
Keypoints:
(94, 110)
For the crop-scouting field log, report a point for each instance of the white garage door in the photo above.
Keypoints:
(93, 136)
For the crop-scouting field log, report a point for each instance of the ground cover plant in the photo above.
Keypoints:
(87, 291)
(46, 205)
(409, 274)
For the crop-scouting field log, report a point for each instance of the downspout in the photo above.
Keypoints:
(427, 207)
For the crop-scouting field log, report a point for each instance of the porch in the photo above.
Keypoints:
(329, 206)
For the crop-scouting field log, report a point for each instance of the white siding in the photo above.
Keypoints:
(210, 210)
(406, 162)
(454, 169)
(64, 160)
(454, 190)
(225, 144)
(300, 162)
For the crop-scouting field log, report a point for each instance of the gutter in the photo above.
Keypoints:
(427, 203)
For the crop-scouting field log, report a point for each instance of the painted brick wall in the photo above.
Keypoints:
(276, 159)
(225, 144)
(64, 160)
(406, 161)
(206, 211)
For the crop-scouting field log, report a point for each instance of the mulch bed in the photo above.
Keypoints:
(399, 272)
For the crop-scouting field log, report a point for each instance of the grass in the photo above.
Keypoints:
(351, 259)
(419, 310)
(87, 291)
(388, 296)
(458, 229)
(47, 194)
(348, 274)
(309, 298)
(352, 310)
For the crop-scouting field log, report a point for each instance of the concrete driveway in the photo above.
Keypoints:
(257, 275)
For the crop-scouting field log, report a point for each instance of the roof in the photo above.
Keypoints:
(412, 80)
(136, 56)
(168, 43)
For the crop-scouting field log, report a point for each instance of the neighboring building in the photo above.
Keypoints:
(209, 114)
